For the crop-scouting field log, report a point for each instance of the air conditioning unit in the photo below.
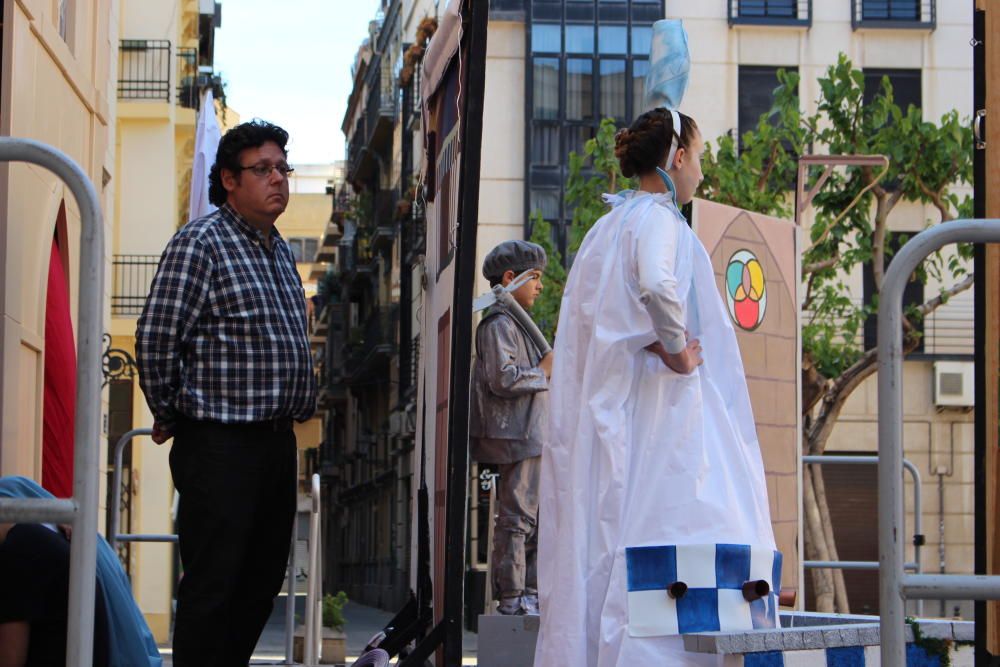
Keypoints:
(954, 384)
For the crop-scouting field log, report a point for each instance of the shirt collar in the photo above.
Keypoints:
(232, 216)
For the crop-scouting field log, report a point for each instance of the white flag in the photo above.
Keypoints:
(206, 143)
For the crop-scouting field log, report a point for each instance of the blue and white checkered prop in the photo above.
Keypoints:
(714, 575)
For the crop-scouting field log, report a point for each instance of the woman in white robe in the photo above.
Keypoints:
(652, 436)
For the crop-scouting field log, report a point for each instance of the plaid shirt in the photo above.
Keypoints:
(223, 334)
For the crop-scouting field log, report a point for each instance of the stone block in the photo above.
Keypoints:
(813, 639)
(963, 631)
(868, 635)
(832, 638)
(773, 640)
(936, 629)
(792, 640)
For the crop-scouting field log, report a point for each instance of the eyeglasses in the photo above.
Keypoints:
(264, 170)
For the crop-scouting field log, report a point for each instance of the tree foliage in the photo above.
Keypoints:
(590, 176)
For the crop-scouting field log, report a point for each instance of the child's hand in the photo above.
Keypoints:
(546, 365)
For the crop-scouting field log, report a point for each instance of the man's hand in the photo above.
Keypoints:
(546, 365)
(161, 432)
(684, 362)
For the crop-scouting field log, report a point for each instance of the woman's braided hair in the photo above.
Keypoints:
(643, 146)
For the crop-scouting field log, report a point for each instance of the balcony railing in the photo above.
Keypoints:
(912, 14)
(144, 69)
(133, 274)
(187, 78)
(376, 344)
(947, 332)
(770, 12)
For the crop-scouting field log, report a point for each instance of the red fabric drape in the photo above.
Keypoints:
(59, 405)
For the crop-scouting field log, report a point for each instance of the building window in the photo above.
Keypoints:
(770, 12)
(65, 18)
(890, 10)
(906, 86)
(894, 14)
(756, 94)
(588, 61)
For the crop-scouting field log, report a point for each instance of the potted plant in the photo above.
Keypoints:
(334, 640)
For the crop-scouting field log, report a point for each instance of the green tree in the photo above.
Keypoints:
(926, 161)
(850, 232)
(590, 175)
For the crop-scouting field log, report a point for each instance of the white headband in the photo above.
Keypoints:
(675, 132)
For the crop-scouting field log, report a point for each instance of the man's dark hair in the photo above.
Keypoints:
(252, 134)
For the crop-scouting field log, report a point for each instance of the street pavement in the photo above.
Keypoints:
(362, 623)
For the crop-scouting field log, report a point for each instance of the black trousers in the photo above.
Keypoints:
(234, 524)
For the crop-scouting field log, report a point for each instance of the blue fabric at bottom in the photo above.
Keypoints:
(918, 657)
(846, 656)
(764, 659)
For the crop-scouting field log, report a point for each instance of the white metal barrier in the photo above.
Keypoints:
(314, 598)
(81, 509)
(114, 537)
(895, 585)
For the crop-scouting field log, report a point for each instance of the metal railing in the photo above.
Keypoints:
(314, 597)
(770, 12)
(895, 585)
(144, 69)
(918, 522)
(187, 77)
(133, 274)
(114, 537)
(919, 14)
(81, 509)
(947, 332)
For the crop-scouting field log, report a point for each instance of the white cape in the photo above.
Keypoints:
(638, 454)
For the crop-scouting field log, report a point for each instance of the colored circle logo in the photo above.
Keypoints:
(746, 295)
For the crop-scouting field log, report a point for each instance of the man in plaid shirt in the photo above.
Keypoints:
(225, 365)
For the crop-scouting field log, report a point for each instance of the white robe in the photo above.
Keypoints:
(639, 455)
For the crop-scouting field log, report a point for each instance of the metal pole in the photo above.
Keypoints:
(918, 522)
(116, 484)
(83, 547)
(890, 427)
(312, 636)
(847, 565)
(290, 601)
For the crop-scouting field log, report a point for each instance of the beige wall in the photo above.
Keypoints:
(57, 92)
(501, 187)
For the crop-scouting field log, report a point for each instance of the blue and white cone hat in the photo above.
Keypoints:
(669, 65)
(669, 71)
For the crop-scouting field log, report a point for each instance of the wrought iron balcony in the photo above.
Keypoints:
(144, 69)
(770, 12)
(893, 14)
(187, 77)
(414, 233)
(373, 346)
(133, 275)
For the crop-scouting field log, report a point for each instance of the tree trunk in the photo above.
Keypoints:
(815, 545)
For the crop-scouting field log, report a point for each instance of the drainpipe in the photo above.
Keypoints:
(941, 472)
